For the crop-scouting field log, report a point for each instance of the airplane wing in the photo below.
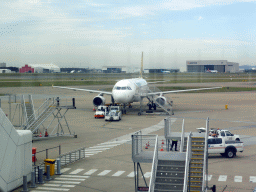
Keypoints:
(155, 82)
(178, 91)
(88, 90)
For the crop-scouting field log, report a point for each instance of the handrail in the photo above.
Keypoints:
(154, 167)
(182, 136)
(33, 118)
(24, 109)
(31, 101)
(188, 157)
(205, 167)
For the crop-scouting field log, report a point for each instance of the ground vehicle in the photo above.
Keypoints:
(101, 111)
(114, 114)
(220, 133)
(225, 148)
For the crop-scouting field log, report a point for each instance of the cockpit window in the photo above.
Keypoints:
(122, 88)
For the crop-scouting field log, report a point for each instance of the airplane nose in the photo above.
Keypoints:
(120, 97)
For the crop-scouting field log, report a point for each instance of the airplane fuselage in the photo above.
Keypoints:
(129, 90)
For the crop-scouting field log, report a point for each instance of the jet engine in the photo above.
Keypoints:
(98, 100)
(161, 100)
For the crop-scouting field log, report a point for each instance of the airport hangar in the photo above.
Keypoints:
(222, 66)
(40, 68)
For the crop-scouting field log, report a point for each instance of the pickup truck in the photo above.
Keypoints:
(220, 133)
(225, 148)
(114, 114)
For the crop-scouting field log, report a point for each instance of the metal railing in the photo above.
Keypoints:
(72, 156)
(182, 136)
(205, 166)
(188, 158)
(24, 110)
(154, 168)
(46, 153)
(40, 111)
(65, 158)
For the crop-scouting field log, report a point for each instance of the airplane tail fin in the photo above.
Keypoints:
(141, 67)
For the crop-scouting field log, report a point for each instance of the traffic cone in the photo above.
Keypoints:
(162, 148)
(94, 109)
(146, 146)
(162, 142)
(40, 135)
(46, 133)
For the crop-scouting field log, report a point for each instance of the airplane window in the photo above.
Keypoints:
(123, 88)
(129, 88)
(118, 88)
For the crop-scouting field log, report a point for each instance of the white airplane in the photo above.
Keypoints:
(127, 91)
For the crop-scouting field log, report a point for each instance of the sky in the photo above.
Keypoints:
(88, 33)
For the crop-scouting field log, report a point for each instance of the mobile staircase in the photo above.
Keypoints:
(169, 170)
(50, 108)
(198, 168)
(164, 103)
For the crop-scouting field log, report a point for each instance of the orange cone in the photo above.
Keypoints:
(162, 142)
(46, 133)
(94, 109)
(162, 148)
(40, 135)
(146, 146)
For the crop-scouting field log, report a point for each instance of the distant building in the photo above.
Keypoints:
(221, 66)
(40, 68)
(114, 69)
(161, 70)
(2, 64)
(5, 71)
(74, 70)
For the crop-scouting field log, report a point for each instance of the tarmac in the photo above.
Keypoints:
(112, 168)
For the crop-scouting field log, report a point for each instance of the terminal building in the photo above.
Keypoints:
(40, 68)
(220, 66)
(114, 69)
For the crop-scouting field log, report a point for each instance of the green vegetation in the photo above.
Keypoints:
(86, 79)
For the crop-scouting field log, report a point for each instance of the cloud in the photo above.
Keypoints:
(200, 18)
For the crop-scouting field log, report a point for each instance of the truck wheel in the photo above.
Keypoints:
(222, 154)
(230, 153)
(139, 113)
(237, 139)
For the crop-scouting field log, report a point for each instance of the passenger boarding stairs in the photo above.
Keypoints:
(166, 106)
(169, 172)
(196, 163)
(170, 175)
(44, 111)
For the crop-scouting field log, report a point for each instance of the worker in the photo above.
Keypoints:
(174, 142)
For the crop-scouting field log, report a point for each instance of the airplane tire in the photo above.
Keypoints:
(237, 139)
(139, 114)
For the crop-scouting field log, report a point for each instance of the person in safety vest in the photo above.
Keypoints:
(174, 142)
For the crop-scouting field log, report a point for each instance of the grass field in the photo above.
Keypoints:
(84, 79)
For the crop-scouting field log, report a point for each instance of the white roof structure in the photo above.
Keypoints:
(52, 67)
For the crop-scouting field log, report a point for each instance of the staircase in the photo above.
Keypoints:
(170, 176)
(41, 118)
(167, 107)
(196, 164)
(30, 111)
